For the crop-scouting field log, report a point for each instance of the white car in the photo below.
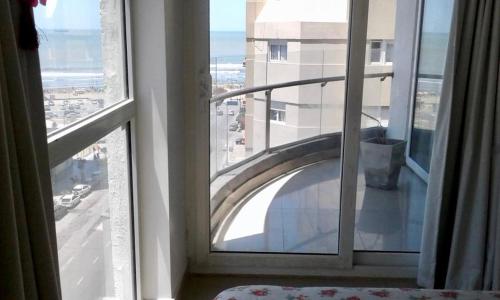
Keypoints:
(81, 190)
(57, 199)
(70, 200)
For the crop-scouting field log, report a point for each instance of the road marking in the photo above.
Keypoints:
(70, 260)
(67, 263)
(84, 243)
(99, 227)
(95, 260)
(79, 281)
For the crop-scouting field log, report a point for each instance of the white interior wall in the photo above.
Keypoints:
(160, 145)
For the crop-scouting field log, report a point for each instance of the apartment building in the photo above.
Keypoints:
(310, 43)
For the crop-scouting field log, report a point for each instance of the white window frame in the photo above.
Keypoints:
(282, 57)
(66, 142)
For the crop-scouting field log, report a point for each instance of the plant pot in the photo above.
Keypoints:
(382, 162)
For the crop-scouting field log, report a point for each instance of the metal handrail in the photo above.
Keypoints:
(270, 87)
(268, 90)
(373, 118)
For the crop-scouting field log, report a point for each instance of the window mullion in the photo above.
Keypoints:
(66, 143)
(350, 145)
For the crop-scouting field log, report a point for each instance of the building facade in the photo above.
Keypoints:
(306, 39)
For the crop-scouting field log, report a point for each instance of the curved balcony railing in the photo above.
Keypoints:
(217, 100)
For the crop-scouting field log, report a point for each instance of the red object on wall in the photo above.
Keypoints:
(34, 3)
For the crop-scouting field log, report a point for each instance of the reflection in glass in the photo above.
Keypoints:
(434, 38)
(390, 196)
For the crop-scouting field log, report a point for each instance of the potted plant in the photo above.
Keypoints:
(382, 159)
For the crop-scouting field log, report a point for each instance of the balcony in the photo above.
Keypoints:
(283, 196)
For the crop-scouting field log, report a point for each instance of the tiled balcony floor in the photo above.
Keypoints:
(299, 213)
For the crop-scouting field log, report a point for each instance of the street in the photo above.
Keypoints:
(222, 140)
(85, 253)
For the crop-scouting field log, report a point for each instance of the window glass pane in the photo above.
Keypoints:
(388, 51)
(436, 23)
(390, 195)
(283, 52)
(281, 116)
(275, 52)
(81, 58)
(375, 51)
(93, 221)
(294, 210)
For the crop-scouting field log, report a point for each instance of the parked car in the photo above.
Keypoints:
(81, 190)
(232, 102)
(59, 211)
(57, 199)
(77, 92)
(231, 112)
(240, 141)
(49, 114)
(70, 200)
(233, 126)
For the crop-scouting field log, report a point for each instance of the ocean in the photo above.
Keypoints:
(227, 57)
(72, 58)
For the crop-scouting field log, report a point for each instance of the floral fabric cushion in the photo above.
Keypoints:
(266, 292)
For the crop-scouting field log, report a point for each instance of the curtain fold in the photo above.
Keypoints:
(461, 236)
(29, 266)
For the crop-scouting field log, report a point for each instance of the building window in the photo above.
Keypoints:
(278, 115)
(278, 51)
(389, 48)
(375, 51)
(381, 51)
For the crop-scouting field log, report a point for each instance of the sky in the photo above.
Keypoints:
(68, 14)
(227, 15)
(437, 16)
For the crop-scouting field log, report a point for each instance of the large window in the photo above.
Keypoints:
(323, 169)
(92, 211)
(88, 112)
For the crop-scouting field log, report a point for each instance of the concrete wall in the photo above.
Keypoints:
(381, 19)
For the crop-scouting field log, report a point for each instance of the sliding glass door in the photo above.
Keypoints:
(277, 125)
(308, 131)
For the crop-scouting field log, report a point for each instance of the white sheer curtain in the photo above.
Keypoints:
(461, 239)
(28, 251)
